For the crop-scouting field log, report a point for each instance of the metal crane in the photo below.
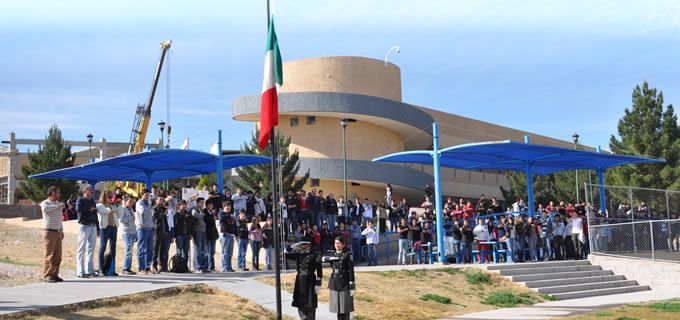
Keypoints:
(143, 117)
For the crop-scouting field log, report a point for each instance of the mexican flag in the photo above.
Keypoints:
(273, 79)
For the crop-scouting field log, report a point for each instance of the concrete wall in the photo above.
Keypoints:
(658, 275)
(17, 211)
(323, 139)
(343, 74)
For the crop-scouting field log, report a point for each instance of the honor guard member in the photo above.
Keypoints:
(341, 284)
(307, 280)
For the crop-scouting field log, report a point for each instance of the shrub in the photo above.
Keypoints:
(507, 299)
(666, 306)
(627, 318)
(435, 298)
(475, 277)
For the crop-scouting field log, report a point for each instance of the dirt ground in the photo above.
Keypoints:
(397, 294)
(186, 302)
(21, 248)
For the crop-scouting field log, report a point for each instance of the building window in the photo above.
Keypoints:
(311, 120)
(294, 121)
(314, 183)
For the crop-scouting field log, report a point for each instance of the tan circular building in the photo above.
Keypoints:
(318, 92)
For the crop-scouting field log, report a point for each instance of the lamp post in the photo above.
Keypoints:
(161, 125)
(397, 48)
(344, 122)
(575, 137)
(89, 142)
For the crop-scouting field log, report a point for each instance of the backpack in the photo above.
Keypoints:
(109, 265)
(178, 264)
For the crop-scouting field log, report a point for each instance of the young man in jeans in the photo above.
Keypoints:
(402, 229)
(372, 240)
(127, 222)
(53, 234)
(200, 240)
(242, 233)
(227, 235)
(144, 223)
(87, 234)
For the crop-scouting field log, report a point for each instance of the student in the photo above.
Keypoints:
(200, 241)
(403, 230)
(109, 214)
(227, 235)
(468, 236)
(87, 233)
(184, 222)
(243, 234)
(255, 242)
(210, 213)
(144, 221)
(268, 243)
(127, 223)
(372, 240)
(161, 237)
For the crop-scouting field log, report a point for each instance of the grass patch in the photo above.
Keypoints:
(627, 318)
(666, 306)
(435, 298)
(508, 299)
(364, 297)
(604, 314)
(476, 277)
(450, 270)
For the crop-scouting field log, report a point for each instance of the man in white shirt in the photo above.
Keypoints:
(260, 209)
(481, 232)
(52, 235)
(368, 212)
(372, 240)
(239, 200)
(577, 236)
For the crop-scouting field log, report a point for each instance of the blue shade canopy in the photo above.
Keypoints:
(160, 164)
(517, 156)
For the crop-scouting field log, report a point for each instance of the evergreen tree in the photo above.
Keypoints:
(646, 129)
(55, 154)
(259, 177)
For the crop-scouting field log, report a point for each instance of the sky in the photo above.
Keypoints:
(547, 67)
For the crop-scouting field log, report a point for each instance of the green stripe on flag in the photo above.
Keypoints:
(273, 44)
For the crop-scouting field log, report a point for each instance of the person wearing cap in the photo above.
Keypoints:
(341, 284)
(307, 280)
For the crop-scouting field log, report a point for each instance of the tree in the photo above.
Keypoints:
(207, 180)
(259, 177)
(646, 129)
(55, 154)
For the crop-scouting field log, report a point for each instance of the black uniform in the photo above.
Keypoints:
(162, 237)
(341, 284)
(309, 274)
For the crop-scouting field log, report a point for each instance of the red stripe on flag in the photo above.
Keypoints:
(269, 115)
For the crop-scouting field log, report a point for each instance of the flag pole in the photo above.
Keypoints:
(275, 206)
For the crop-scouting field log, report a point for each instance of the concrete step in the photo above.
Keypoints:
(521, 271)
(570, 281)
(599, 292)
(559, 275)
(588, 286)
(563, 263)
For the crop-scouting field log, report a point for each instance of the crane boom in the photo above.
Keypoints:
(142, 119)
(143, 112)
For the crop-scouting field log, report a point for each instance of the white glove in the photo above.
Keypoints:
(330, 259)
(351, 293)
(317, 289)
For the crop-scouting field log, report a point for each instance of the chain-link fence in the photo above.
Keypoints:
(637, 222)
(652, 239)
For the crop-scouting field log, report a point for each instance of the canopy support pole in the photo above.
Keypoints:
(220, 167)
(149, 183)
(600, 181)
(530, 183)
(438, 193)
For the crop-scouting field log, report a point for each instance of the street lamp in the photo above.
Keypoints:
(161, 125)
(397, 48)
(344, 122)
(89, 141)
(575, 137)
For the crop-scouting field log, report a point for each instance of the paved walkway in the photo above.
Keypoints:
(563, 308)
